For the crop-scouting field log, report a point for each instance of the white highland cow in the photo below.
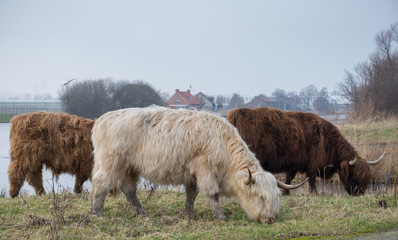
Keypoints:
(198, 149)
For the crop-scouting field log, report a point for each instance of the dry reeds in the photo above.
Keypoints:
(372, 138)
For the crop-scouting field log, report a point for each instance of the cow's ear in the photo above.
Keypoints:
(234, 119)
(243, 111)
(246, 177)
(344, 170)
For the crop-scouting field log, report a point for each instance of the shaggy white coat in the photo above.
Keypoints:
(169, 146)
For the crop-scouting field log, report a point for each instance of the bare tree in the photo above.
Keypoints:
(321, 102)
(373, 88)
(281, 97)
(87, 98)
(308, 95)
(164, 96)
(236, 101)
(220, 101)
(294, 101)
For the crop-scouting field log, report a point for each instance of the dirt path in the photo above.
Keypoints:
(392, 234)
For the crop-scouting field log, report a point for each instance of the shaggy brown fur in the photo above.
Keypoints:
(60, 141)
(294, 142)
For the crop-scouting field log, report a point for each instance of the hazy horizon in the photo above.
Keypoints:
(218, 48)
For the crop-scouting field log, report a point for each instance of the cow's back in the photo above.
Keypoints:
(161, 144)
(61, 141)
(144, 140)
(281, 140)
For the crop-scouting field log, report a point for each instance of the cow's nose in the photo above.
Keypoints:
(268, 220)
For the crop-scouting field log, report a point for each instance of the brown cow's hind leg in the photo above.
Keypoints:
(79, 183)
(35, 179)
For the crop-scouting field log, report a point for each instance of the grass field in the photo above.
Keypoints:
(386, 130)
(67, 216)
(329, 215)
(5, 119)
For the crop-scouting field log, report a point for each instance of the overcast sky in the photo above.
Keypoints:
(216, 47)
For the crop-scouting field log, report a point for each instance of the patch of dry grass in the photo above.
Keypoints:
(300, 215)
(371, 139)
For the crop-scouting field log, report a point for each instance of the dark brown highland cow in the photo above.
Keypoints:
(60, 141)
(294, 142)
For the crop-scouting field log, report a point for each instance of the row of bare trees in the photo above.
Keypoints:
(308, 99)
(373, 86)
(92, 98)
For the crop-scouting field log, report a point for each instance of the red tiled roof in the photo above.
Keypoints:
(188, 97)
(258, 101)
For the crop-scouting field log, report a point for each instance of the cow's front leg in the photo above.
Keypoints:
(16, 177)
(216, 208)
(312, 188)
(98, 201)
(289, 177)
(208, 184)
(209, 187)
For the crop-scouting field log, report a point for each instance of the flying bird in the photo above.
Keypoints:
(66, 83)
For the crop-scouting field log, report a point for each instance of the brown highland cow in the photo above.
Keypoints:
(292, 142)
(60, 141)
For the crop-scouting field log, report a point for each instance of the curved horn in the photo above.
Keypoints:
(353, 162)
(378, 160)
(290, 187)
(249, 180)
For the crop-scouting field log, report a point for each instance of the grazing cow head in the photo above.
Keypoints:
(355, 175)
(261, 198)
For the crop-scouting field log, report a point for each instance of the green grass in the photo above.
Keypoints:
(382, 131)
(5, 119)
(301, 216)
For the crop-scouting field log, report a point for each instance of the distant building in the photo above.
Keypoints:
(15, 107)
(284, 104)
(259, 101)
(339, 104)
(183, 100)
(206, 103)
